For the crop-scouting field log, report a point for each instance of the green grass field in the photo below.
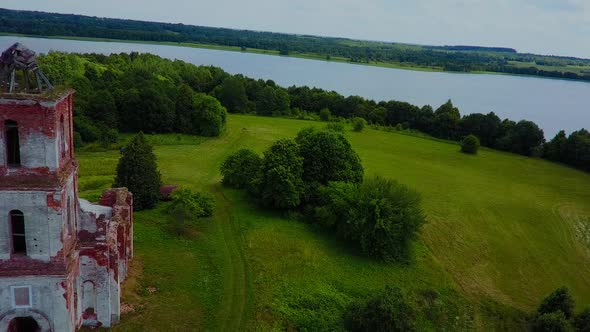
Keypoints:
(503, 231)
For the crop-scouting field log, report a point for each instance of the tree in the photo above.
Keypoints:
(484, 126)
(327, 156)
(272, 101)
(184, 109)
(208, 117)
(137, 170)
(380, 216)
(470, 144)
(102, 108)
(578, 149)
(551, 322)
(525, 137)
(446, 121)
(279, 183)
(232, 95)
(147, 109)
(325, 114)
(387, 311)
(358, 124)
(582, 321)
(559, 300)
(556, 148)
(240, 168)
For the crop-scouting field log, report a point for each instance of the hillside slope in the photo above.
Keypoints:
(503, 231)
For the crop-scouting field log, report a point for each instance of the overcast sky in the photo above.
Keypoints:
(559, 27)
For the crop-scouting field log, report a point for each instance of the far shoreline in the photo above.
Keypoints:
(316, 57)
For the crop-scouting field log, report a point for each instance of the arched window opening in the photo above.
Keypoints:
(12, 143)
(23, 324)
(69, 216)
(19, 242)
(63, 137)
(88, 295)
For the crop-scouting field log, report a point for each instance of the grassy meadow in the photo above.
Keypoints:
(503, 231)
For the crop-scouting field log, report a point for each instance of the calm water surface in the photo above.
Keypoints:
(553, 104)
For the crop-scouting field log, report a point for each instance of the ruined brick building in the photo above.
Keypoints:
(62, 259)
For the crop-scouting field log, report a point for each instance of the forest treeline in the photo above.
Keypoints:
(448, 58)
(143, 92)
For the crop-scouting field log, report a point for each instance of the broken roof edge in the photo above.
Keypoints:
(54, 96)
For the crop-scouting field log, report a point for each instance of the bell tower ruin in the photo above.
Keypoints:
(62, 259)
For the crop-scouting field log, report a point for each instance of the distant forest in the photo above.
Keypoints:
(448, 58)
(143, 92)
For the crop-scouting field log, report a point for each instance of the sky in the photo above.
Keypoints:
(555, 27)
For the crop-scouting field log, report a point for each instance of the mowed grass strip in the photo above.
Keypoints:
(502, 228)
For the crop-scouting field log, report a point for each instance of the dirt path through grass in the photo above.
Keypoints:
(232, 310)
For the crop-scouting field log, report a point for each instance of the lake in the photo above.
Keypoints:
(552, 104)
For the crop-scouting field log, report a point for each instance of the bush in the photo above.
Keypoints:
(208, 117)
(380, 216)
(327, 156)
(559, 300)
(358, 124)
(240, 168)
(470, 144)
(137, 170)
(108, 136)
(582, 321)
(325, 114)
(187, 206)
(388, 311)
(279, 183)
(551, 322)
(337, 127)
(78, 142)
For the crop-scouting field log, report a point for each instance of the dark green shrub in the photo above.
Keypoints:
(559, 300)
(327, 156)
(78, 142)
(187, 206)
(137, 170)
(358, 124)
(582, 321)
(380, 216)
(470, 144)
(551, 322)
(108, 136)
(325, 114)
(387, 311)
(279, 183)
(337, 127)
(240, 168)
(208, 117)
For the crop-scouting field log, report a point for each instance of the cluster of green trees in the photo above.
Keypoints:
(320, 174)
(556, 314)
(133, 92)
(573, 150)
(451, 58)
(137, 92)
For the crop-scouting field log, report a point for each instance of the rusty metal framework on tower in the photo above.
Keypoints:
(20, 73)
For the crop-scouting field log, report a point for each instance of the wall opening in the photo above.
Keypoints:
(17, 223)
(12, 143)
(23, 324)
(63, 136)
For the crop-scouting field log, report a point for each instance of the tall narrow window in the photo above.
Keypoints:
(63, 137)
(12, 143)
(19, 243)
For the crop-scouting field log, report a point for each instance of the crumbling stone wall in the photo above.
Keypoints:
(77, 253)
